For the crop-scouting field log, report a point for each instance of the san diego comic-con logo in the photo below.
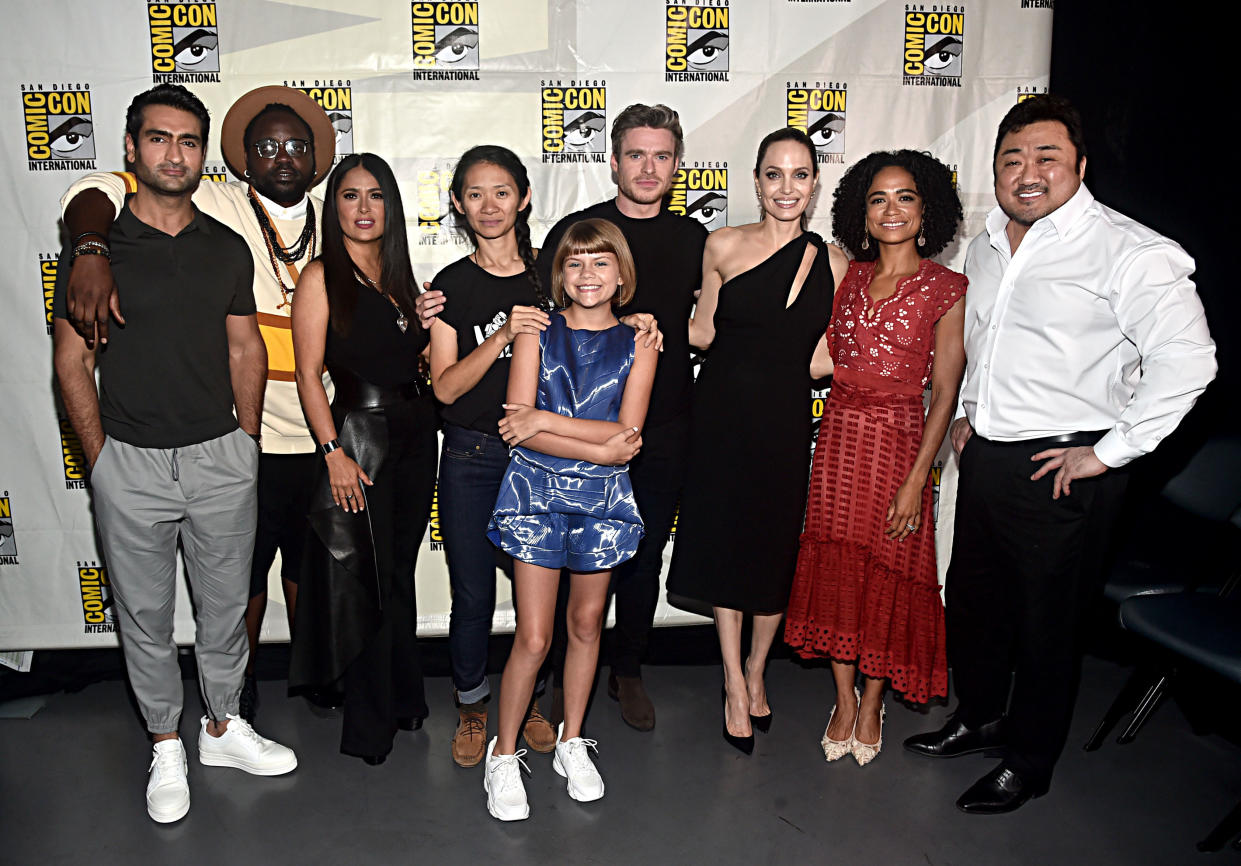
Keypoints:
(73, 456)
(934, 41)
(335, 97)
(700, 191)
(435, 536)
(696, 40)
(445, 41)
(574, 121)
(60, 131)
(1024, 93)
(1038, 4)
(185, 42)
(433, 178)
(8, 539)
(49, 264)
(817, 108)
(215, 172)
(98, 605)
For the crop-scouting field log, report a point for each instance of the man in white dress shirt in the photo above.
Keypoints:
(1086, 345)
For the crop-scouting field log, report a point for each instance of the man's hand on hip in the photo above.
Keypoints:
(1071, 464)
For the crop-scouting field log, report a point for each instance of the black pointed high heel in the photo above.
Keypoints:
(761, 723)
(745, 745)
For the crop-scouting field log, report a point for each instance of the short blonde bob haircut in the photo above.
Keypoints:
(590, 237)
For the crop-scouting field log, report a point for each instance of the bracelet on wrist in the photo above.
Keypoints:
(329, 447)
(79, 238)
(90, 248)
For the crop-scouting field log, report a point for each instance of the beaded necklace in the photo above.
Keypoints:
(276, 251)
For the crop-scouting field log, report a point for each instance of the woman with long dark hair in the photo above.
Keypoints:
(765, 302)
(866, 594)
(354, 312)
(491, 296)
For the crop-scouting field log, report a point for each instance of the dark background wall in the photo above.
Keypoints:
(1159, 151)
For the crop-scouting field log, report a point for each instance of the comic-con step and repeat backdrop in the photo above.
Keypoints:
(418, 83)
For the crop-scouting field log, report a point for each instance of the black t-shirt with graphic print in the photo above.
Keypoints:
(476, 305)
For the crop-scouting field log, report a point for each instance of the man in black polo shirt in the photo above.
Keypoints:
(170, 460)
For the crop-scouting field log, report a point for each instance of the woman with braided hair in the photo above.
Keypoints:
(490, 297)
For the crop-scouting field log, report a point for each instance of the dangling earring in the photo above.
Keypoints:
(922, 235)
(866, 241)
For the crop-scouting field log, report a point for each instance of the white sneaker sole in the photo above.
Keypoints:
(168, 815)
(581, 797)
(494, 811)
(215, 760)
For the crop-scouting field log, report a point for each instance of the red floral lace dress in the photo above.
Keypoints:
(858, 595)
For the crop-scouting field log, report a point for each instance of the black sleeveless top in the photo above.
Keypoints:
(375, 350)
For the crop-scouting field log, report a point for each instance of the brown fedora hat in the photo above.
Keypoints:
(233, 130)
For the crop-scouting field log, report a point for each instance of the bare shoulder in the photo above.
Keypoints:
(311, 277)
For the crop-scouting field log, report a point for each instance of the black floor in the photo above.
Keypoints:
(72, 781)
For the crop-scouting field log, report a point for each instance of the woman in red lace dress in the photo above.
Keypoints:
(866, 593)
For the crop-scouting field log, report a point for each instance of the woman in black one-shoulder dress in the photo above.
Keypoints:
(765, 304)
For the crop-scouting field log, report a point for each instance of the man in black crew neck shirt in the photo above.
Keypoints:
(170, 462)
(647, 143)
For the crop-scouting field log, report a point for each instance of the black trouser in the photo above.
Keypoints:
(657, 474)
(384, 682)
(1025, 568)
(286, 482)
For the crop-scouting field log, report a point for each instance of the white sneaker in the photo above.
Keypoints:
(506, 795)
(168, 791)
(573, 762)
(239, 746)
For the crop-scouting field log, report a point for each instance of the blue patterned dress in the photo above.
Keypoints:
(563, 513)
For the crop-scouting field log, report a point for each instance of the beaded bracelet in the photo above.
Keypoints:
(91, 248)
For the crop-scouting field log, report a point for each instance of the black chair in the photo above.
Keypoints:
(1208, 491)
(1205, 630)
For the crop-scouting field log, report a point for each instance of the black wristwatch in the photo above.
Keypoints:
(329, 447)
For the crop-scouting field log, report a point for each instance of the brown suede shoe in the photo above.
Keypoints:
(538, 731)
(469, 743)
(635, 705)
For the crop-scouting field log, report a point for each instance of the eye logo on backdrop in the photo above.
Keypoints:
(434, 178)
(185, 43)
(934, 42)
(73, 456)
(8, 539)
(445, 37)
(700, 191)
(60, 130)
(819, 111)
(48, 265)
(98, 610)
(1024, 93)
(335, 97)
(695, 41)
(575, 121)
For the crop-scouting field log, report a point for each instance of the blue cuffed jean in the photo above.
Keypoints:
(472, 466)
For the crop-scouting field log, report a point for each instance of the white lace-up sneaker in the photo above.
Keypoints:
(239, 746)
(168, 791)
(506, 795)
(573, 762)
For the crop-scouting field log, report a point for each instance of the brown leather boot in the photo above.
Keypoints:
(635, 705)
(538, 731)
(469, 743)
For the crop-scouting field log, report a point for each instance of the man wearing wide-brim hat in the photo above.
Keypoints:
(280, 143)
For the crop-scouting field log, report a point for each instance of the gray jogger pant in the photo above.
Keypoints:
(145, 500)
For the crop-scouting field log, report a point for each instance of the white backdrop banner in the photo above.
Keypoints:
(418, 83)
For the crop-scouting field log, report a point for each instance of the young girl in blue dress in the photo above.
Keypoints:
(576, 400)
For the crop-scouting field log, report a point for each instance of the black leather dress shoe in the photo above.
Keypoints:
(409, 723)
(955, 739)
(1000, 791)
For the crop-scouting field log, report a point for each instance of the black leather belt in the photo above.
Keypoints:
(1060, 440)
(355, 393)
